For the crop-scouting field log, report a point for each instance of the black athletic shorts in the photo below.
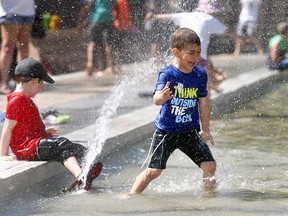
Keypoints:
(59, 149)
(188, 142)
(102, 33)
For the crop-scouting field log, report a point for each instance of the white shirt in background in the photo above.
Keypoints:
(203, 24)
(249, 10)
(18, 7)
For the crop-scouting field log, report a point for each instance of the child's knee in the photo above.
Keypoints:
(152, 173)
(209, 167)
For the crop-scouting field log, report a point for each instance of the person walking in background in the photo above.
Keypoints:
(247, 26)
(24, 131)
(158, 31)
(278, 49)
(101, 33)
(16, 19)
(124, 30)
(184, 126)
(122, 17)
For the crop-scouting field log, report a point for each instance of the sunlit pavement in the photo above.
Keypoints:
(81, 97)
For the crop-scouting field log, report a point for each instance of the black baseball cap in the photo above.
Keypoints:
(30, 67)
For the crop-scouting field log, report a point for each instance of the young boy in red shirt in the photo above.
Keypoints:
(24, 130)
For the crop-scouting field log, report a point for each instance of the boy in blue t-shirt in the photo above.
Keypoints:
(184, 119)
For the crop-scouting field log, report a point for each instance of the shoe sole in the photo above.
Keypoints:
(77, 182)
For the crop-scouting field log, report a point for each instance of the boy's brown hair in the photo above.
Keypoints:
(183, 37)
(22, 79)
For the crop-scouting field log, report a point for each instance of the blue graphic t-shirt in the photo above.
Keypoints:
(181, 112)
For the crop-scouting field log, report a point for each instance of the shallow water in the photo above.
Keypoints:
(251, 152)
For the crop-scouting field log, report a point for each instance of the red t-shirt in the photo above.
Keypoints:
(121, 14)
(29, 129)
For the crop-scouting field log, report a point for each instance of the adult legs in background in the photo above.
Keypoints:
(90, 58)
(9, 37)
(13, 35)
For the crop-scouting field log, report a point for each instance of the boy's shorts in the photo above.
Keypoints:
(190, 143)
(59, 149)
(21, 20)
(282, 65)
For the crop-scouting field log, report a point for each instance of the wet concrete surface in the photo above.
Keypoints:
(82, 97)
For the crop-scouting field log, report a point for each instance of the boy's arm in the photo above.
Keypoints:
(205, 114)
(163, 16)
(5, 139)
(274, 52)
(160, 97)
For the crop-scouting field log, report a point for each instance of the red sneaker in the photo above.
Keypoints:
(94, 171)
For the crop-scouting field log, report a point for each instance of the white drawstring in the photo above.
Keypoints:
(150, 149)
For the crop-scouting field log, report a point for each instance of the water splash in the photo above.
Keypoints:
(109, 109)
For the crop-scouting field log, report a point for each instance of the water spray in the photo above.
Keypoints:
(107, 112)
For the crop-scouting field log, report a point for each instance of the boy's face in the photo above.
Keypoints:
(187, 57)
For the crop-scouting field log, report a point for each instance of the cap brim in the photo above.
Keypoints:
(48, 79)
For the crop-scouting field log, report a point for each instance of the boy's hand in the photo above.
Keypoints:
(149, 16)
(206, 136)
(8, 158)
(52, 131)
(162, 96)
(166, 93)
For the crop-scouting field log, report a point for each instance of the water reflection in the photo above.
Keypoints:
(251, 151)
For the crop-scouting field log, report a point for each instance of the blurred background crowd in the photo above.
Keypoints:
(63, 47)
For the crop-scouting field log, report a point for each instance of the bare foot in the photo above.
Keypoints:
(89, 69)
(99, 74)
(109, 71)
(236, 54)
(209, 184)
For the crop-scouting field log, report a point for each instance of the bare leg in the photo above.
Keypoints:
(258, 45)
(23, 41)
(143, 180)
(238, 43)
(90, 58)
(9, 37)
(209, 169)
(100, 62)
(73, 166)
(109, 61)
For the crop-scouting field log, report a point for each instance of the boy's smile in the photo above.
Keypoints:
(187, 58)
